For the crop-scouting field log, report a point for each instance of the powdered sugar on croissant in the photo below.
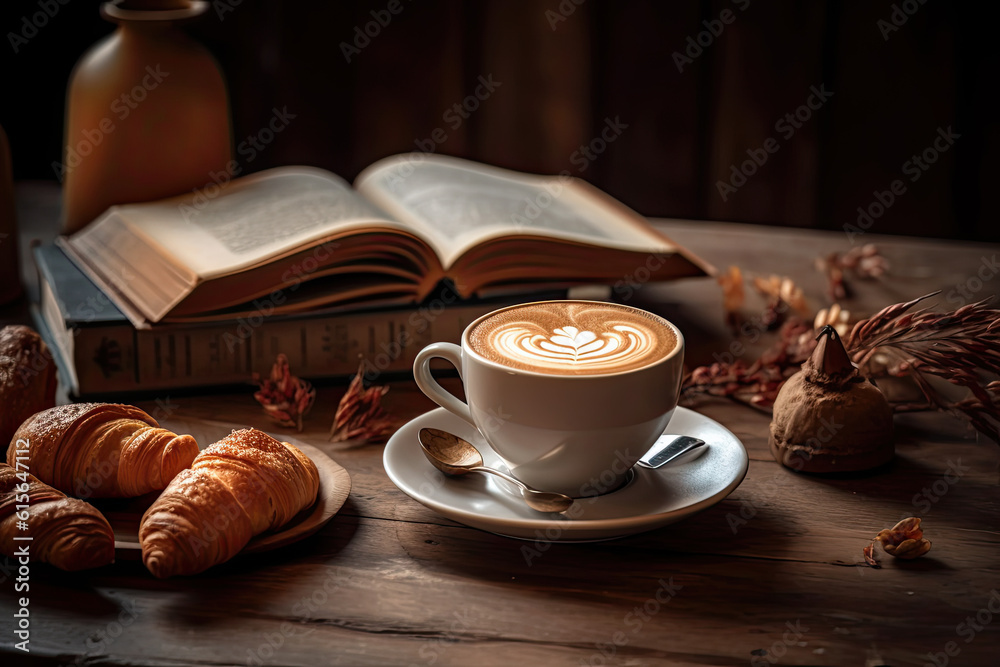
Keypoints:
(243, 485)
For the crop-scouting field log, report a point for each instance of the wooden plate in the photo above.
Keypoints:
(334, 487)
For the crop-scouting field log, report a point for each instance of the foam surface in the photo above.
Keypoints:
(573, 338)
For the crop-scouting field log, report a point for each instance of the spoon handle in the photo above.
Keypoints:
(493, 471)
(671, 448)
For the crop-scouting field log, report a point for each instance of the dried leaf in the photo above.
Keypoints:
(285, 398)
(359, 414)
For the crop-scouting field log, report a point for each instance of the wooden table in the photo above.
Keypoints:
(771, 575)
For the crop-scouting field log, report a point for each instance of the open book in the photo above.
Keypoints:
(294, 239)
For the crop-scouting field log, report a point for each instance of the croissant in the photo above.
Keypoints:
(103, 450)
(241, 486)
(27, 378)
(66, 532)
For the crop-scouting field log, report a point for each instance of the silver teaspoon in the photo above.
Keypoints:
(454, 456)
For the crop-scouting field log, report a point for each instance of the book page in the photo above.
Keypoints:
(256, 218)
(462, 204)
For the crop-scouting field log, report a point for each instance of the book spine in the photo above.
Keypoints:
(104, 358)
(100, 359)
(190, 357)
(178, 357)
(379, 342)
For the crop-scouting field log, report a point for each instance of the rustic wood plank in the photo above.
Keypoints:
(398, 591)
(388, 581)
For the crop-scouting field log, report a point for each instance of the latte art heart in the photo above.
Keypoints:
(573, 338)
(569, 345)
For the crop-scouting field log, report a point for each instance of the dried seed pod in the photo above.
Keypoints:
(904, 540)
(828, 417)
(836, 317)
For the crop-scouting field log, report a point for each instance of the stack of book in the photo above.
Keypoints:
(205, 288)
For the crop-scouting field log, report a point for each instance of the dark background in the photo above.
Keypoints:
(561, 79)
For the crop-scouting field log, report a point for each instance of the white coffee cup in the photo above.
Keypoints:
(577, 434)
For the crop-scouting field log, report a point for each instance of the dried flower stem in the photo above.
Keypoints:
(756, 385)
(958, 346)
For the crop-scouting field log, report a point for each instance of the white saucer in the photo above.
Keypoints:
(653, 498)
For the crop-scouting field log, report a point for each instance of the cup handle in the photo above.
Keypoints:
(422, 374)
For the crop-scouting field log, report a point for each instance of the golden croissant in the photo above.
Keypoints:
(66, 532)
(103, 450)
(243, 485)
